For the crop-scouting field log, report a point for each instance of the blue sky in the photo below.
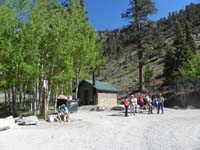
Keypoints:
(106, 14)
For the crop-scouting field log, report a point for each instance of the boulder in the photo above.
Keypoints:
(7, 123)
(100, 108)
(176, 107)
(118, 107)
(52, 118)
(30, 120)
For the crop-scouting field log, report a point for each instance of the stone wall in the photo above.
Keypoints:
(107, 99)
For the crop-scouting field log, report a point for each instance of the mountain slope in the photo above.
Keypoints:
(121, 68)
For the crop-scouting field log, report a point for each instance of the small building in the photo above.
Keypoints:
(92, 92)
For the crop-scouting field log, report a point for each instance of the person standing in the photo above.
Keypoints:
(140, 101)
(133, 104)
(155, 102)
(126, 104)
(160, 103)
(150, 105)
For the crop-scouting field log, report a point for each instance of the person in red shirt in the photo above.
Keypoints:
(141, 102)
(126, 104)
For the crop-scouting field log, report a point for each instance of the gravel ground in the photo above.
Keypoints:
(110, 130)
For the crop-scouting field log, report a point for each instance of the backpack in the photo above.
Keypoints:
(62, 108)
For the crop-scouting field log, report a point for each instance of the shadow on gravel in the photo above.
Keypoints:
(117, 114)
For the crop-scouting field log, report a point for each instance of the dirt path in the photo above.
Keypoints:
(110, 130)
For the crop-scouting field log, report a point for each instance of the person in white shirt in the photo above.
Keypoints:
(133, 104)
(149, 103)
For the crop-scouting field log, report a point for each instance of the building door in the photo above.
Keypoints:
(86, 97)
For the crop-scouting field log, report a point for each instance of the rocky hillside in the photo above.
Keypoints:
(121, 68)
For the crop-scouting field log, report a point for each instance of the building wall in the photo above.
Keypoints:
(107, 99)
(101, 98)
(82, 88)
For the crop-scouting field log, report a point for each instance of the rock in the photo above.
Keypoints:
(2, 128)
(190, 107)
(52, 118)
(30, 120)
(118, 107)
(176, 107)
(92, 109)
(7, 123)
(100, 108)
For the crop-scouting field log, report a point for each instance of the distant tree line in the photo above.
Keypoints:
(190, 13)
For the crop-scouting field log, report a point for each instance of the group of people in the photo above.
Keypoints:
(138, 104)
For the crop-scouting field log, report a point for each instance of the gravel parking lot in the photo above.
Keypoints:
(109, 130)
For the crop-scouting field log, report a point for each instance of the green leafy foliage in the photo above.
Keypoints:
(46, 40)
(189, 74)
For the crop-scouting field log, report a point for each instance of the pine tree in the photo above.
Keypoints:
(183, 52)
(188, 73)
(138, 14)
(177, 58)
(169, 65)
(148, 75)
(189, 39)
